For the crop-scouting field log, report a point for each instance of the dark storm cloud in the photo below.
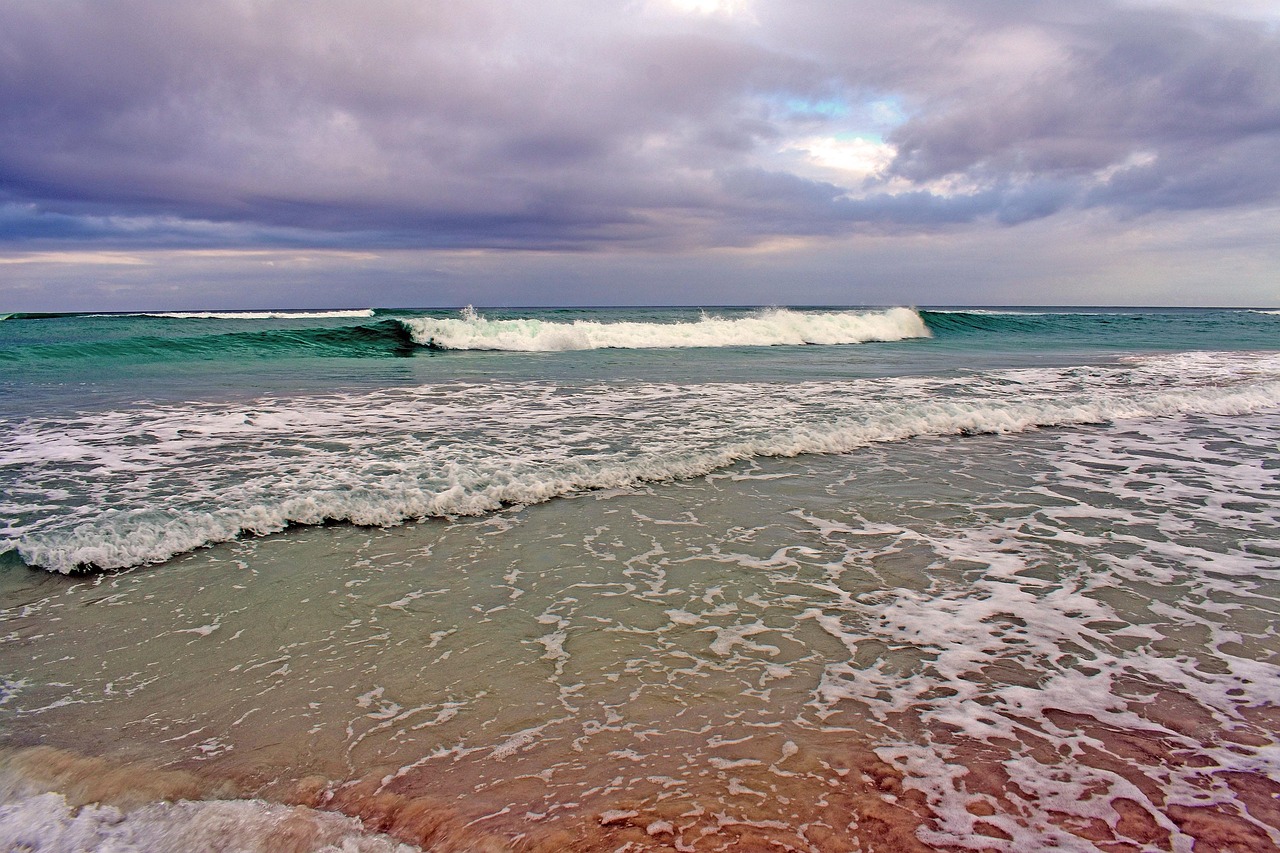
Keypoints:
(1191, 102)
(631, 123)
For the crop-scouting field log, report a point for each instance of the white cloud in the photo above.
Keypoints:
(1137, 160)
(1256, 10)
(73, 257)
(738, 9)
(855, 158)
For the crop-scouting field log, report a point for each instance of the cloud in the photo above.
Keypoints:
(615, 125)
(1197, 96)
(75, 258)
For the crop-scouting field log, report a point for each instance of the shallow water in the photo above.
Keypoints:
(1056, 639)
(1010, 585)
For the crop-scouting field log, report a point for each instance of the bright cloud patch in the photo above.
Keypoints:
(852, 157)
(1139, 160)
(708, 8)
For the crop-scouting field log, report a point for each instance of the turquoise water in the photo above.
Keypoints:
(304, 351)
(667, 578)
(250, 423)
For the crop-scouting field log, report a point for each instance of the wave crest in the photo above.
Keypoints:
(771, 327)
(257, 315)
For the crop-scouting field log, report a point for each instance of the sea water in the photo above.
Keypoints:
(809, 579)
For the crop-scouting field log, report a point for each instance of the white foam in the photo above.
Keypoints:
(1085, 605)
(519, 741)
(1017, 582)
(258, 315)
(772, 327)
(155, 483)
(48, 822)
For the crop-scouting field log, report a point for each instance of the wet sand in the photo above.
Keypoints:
(873, 652)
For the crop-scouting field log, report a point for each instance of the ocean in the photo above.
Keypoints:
(810, 579)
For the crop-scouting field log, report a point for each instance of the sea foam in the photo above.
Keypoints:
(1035, 630)
(48, 822)
(771, 327)
(153, 483)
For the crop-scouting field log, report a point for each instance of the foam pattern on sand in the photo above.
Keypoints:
(1095, 664)
(47, 822)
(1056, 640)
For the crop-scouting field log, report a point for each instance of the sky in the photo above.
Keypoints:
(163, 154)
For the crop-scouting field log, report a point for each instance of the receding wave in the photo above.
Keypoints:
(160, 482)
(49, 822)
(56, 800)
(256, 315)
(770, 327)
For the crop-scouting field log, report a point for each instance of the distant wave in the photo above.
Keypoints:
(950, 321)
(255, 315)
(40, 315)
(1059, 313)
(769, 327)
(1017, 312)
(1209, 329)
(381, 339)
(1091, 323)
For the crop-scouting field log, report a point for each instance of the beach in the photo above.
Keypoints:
(884, 579)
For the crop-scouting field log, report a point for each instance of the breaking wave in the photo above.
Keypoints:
(391, 335)
(770, 327)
